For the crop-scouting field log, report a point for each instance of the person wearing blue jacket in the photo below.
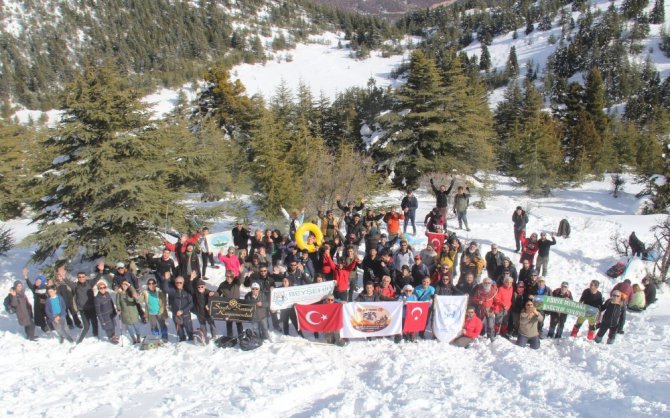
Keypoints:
(425, 293)
(181, 303)
(56, 311)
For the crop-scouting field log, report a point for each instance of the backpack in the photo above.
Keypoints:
(563, 229)
(8, 304)
(151, 342)
(250, 340)
(226, 342)
(616, 270)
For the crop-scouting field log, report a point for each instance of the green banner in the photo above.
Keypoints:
(564, 306)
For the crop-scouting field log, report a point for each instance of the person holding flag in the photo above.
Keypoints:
(407, 296)
(321, 317)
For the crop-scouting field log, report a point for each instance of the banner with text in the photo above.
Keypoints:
(223, 309)
(374, 319)
(449, 316)
(286, 297)
(564, 306)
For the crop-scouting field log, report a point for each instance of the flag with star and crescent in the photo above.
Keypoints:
(320, 317)
(416, 316)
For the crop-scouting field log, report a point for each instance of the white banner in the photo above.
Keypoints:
(286, 297)
(449, 316)
(373, 319)
(218, 240)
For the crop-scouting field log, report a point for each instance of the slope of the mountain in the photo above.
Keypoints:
(387, 8)
(44, 42)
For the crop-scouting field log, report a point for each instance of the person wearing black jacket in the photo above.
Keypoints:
(355, 231)
(258, 298)
(594, 298)
(649, 291)
(241, 236)
(409, 205)
(84, 302)
(445, 287)
(544, 245)
(230, 289)
(494, 260)
(188, 262)
(162, 264)
(181, 304)
(351, 207)
(467, 286)
(613, 318)
(201, 308)
(520, 219)
(442, 197)
(506, 267)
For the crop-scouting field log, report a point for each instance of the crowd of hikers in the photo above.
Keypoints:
(500, 296)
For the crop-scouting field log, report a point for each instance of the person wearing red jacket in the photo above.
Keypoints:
(626, 290)
(471, 329)
(483, 297)
(340, 274)
(529, 247)
(502, 303)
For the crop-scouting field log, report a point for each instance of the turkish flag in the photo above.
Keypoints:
(436, 240)
(326, 317)
(416, 316)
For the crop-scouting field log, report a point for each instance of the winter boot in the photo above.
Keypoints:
(550, 334)
(591, 335)
(598, 339)
(610, 340)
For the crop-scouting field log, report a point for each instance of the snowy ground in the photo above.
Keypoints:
(288, 377)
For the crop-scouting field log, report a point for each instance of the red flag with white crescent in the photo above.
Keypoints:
(325, 317)
(436, 240)
(416, 316)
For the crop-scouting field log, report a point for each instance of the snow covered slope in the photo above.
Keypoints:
(290, 377)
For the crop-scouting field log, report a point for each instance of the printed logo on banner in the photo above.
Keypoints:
(370, 319)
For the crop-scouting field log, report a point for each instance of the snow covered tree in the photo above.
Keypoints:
(106, 191)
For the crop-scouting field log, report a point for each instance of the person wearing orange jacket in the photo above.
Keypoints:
(392, 219)
(471, 329)
(340, 275)
(502, 303)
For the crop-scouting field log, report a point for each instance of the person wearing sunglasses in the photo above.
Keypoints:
(201, 308)
(104, 307)
(472, 327)
(528, 326)
(613, 318)
(181, 303)
(591, 297)
(156, 308)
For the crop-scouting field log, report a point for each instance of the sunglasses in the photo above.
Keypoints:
(616, 296)
(102, 287)
(201, 287)
(179, 282)
(330, 300)
(151, 284)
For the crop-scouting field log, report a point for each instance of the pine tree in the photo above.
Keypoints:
(657, 15)
(507, 115)
(106, 192)
(485, 60)
(271, 172)
(594, 104)
(17, 146)
(535, 146)
(512, 66)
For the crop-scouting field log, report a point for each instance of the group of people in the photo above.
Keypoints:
(500, 297)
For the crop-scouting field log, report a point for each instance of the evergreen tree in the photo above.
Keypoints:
(594, 104)
(657, 15)
(485, 60)
(17, 146)
(535, 147)
(106, 192)
(508, 114)
(271, 172)
(512, 66)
